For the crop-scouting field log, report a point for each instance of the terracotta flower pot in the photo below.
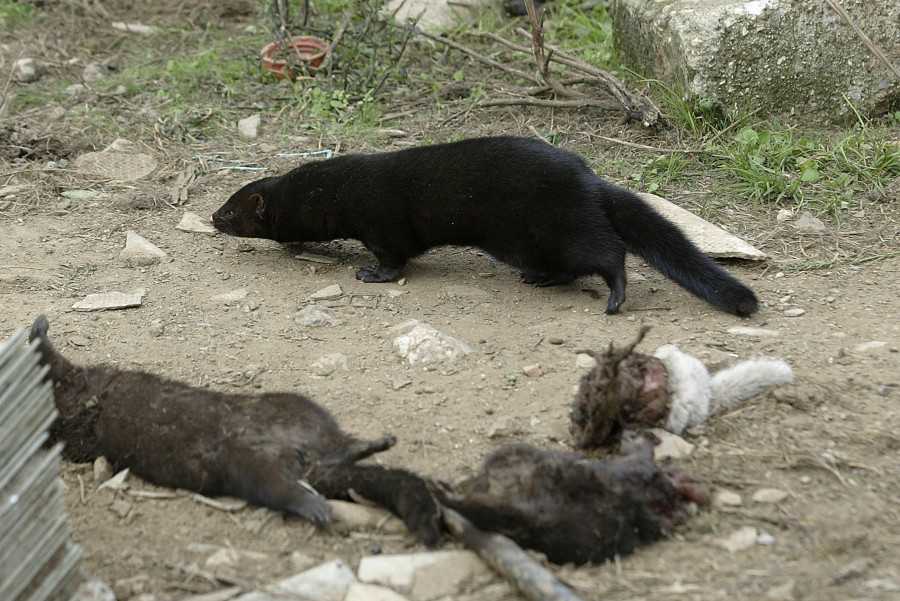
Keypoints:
(309, 49)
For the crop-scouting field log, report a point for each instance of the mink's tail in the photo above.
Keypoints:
(650, 235)
(58, 364)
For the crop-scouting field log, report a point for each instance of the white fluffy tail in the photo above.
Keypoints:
(734, 385)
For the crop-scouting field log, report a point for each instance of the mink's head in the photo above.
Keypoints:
(246, 214)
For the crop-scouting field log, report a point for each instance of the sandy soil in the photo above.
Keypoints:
(830, 441)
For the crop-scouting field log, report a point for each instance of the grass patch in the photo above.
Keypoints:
(15, 15)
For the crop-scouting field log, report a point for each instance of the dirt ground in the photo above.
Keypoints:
(830, 441)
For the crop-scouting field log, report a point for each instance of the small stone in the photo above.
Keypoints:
(127, 588)
(328, 293)
(739, 540)
(140, 252)
(426, 575)
(102, 469)
(327, 582)
(94, 590)
(533, 371)
(865, 347)
(121, 507)
(769, 495)
(882, 584)
(805, 479)
(80, 194)
(794, 312)
(428, 346)
(75, 89)
(753, 332)
(328, 364)
(399, 383)
(248, 128)
(94, 71)
(110, 300)
(157, 329)
(230, 298)
(727, 498)
(554, 340)
(501, 427)
(671, 446)
(366, 517)
(395, 293)
(583, 361)
(358, 591)
(401, 282)
(312, 317)
(783, 215)
(27, 70)
(809, 224)
(854, 569)
(765, 539)
(223, 561)
(191, 222)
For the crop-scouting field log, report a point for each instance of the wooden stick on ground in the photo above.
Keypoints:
(509, 560)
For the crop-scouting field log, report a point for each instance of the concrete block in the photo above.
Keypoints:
(783, 56)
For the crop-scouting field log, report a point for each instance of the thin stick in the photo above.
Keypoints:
(537, 50)
(480, 57)
(571, 103)
(508, 559)
(652, 148)
(862, 35)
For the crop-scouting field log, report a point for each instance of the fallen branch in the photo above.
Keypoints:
(572, 103)
(509, 560)
(486, 60)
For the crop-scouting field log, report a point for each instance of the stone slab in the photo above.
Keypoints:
(780, 56)
(711, 239)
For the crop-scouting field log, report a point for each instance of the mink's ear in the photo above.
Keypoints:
(257, 199)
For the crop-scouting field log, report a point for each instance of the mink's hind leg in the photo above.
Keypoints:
(387, 270)
(404, 494)
(271, 482)
(542, 280)
(360, 449)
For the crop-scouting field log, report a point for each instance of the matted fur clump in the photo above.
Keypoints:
(669, 389)
(569, 507)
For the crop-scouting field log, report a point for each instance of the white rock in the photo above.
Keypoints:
(327, 582)
(429, 346)
(421, 573)
(103, 301)
(366, 517)
(794, 312)
(739, 540)
(327, 293)
(328, 364)
(765, 539)
(27, 70)
(93, 590)
(783, 215)
(583, 361)
(134, 27)
(358, 591)
(102, 469)
(671, 446)
(223, 560)
(865, 347)
(248, 127)
(755, 332)
(222, 594)
(726, 498)
(191, 222)
(94, 71)
(312, 318)
(769, 495)
(502, 427)
(533, 371)
(75, 89)
(229, 298)
(139, 251)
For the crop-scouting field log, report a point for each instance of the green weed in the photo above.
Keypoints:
(15, 15)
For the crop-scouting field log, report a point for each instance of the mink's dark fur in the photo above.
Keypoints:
(536, 207)
(257, 447)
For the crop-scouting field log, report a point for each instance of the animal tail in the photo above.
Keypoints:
(665, 247)
(58, 364)
(734, 385)
(401, 492)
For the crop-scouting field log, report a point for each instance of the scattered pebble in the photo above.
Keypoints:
(727, 498)
(357, 591)
(765, 539)
(328, 364)
(424, 575)
(94, 590)
(230, 298)
(312, 317)
(326, 582)
(783, 215)
(865, 347)
(583, 361)
(782, 592)
(140, 252)
(328, 293)
(157, 329)
(102, 469)
(769, 495)
(794, 312)
(248, 128)
(809, 224)
(533, 371)
(501, 427)
(94, 71)
(554, 340)
(429, 346)
(27, 70)
(671, 446)
(740, 540)
(191, 222)
(755, 332)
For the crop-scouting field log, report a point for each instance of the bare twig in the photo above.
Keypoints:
(507, 558)
(571, 103)
(486, 60)
(537, 50)
(652, 148)
(862, 35)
